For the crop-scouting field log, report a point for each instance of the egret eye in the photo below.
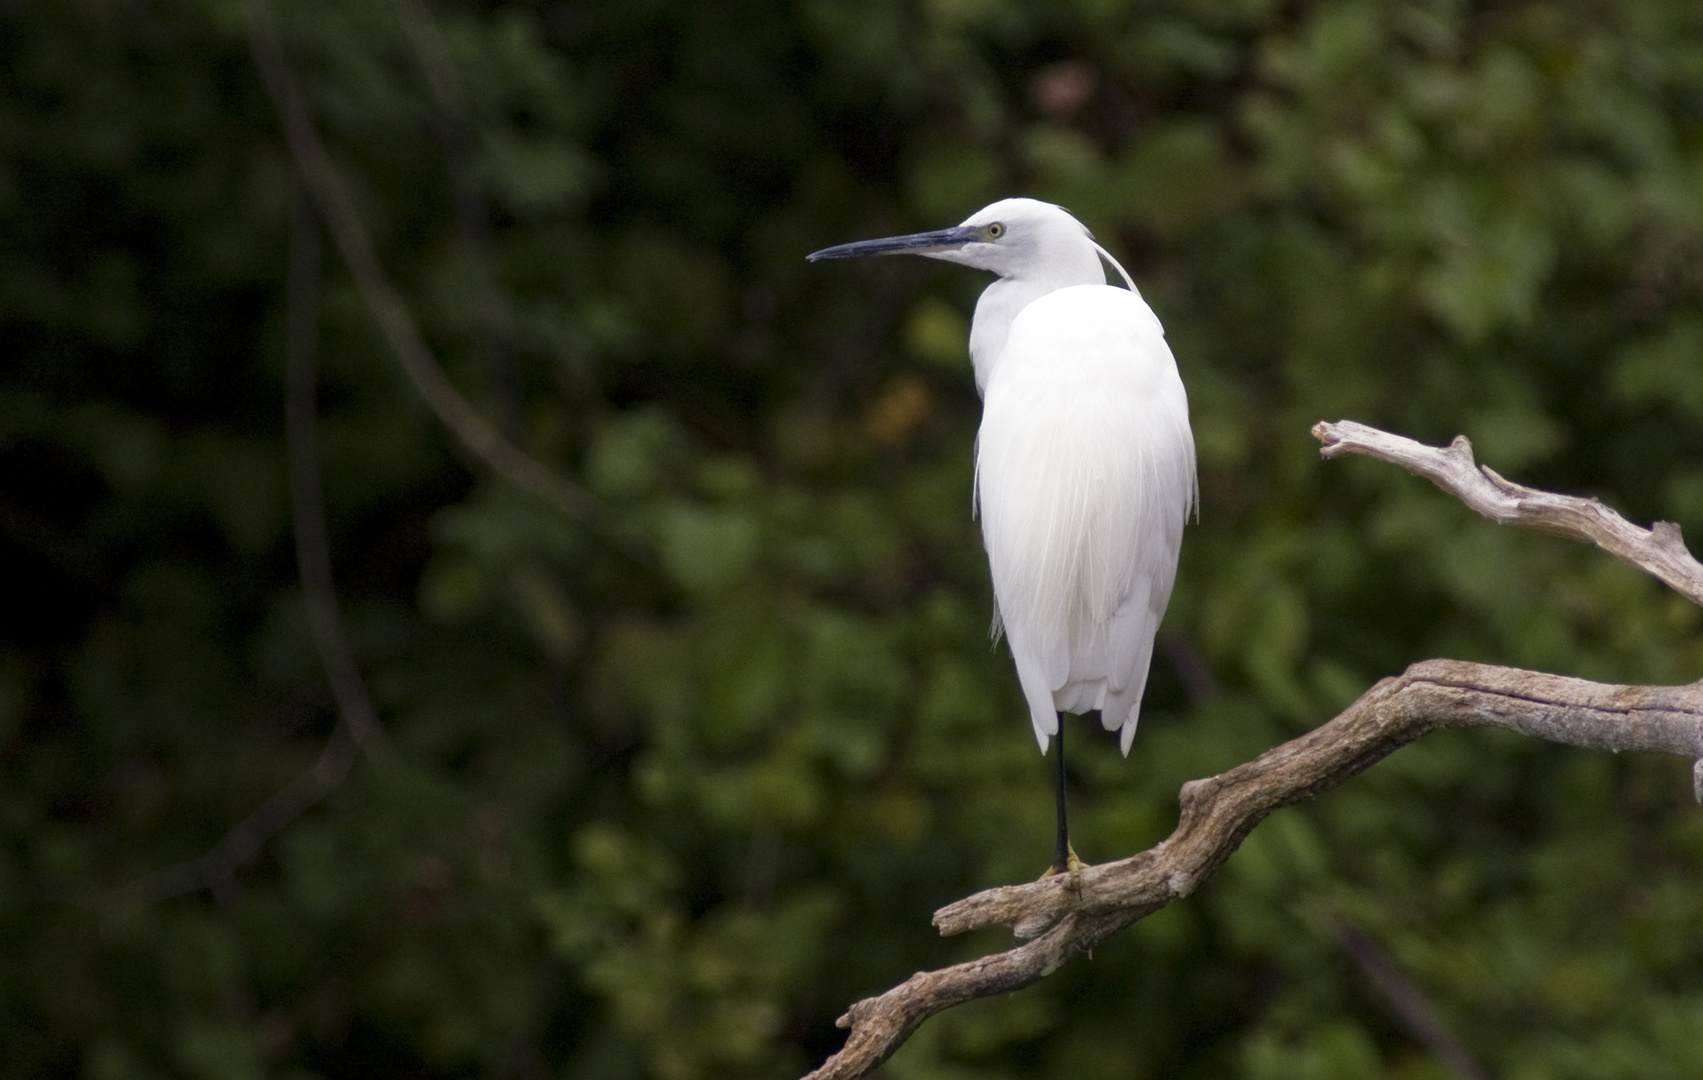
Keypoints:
(995, 231)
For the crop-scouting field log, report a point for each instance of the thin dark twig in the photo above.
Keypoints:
(1409, 1003)
(214, 869)
(313, 545)
(396, 322)
(492, 309)
(359, 729)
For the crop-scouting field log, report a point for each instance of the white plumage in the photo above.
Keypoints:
(1084, 474)
(1085, 466)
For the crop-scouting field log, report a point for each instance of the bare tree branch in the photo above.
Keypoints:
(1658, 551)
(337, 208)
(1066, 915)
(1219, 811)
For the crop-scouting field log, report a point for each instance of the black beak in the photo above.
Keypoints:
(914, 244)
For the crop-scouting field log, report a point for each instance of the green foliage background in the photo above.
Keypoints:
(667, 817)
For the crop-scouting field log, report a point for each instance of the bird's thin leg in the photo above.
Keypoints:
(1064, 856)
(1061, 858)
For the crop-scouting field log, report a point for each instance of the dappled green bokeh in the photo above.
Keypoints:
(674, 792)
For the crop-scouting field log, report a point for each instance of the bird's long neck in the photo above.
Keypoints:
(1001, 301)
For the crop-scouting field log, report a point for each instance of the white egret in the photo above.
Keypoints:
(1085, 466)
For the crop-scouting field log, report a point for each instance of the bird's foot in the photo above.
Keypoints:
(1033, 926)
(1070, 864)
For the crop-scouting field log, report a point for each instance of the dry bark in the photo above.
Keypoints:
(1064, 915)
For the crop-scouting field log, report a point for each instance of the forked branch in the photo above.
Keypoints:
(1065, 917)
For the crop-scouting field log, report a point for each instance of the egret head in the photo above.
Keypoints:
(1014, 238)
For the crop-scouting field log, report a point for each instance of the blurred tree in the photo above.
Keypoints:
(666, 817)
